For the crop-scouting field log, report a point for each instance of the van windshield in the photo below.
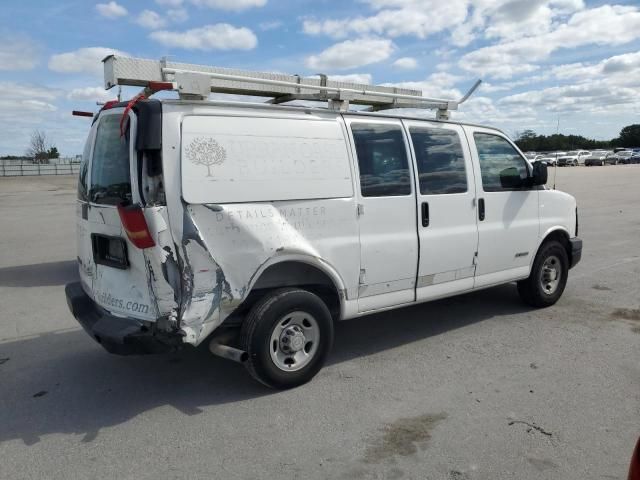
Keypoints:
(110, 180)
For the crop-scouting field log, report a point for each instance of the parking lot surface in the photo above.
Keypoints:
(473, 387)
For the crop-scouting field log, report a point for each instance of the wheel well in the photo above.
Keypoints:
(562, 237)
(291, 274)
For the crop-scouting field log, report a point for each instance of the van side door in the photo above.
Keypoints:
(447, 219)
(386, 213)
(508, 216)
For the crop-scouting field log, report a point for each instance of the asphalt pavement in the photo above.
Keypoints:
(478, 386)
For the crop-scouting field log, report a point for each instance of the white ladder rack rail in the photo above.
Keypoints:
(198, 81)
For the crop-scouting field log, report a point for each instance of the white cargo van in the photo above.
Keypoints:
(254, 227)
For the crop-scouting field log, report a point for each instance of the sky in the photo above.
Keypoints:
(576, 62)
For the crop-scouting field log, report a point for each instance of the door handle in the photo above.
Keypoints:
(425, 214)
(481, 209)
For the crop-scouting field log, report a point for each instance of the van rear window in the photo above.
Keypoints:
(110, 179)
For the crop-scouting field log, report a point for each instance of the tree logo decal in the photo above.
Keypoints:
(206, 151)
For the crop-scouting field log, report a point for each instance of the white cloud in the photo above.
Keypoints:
(93, 94)
(352, 54)
(12, 90)
(169, 3)
(605, 25)
(436, 85)
(592, 96)
(16, 98)
(151, 20)
(605, 87)
(235, 5)
(84, 60)
(111, 10)
(406, 63)
(271, 25)
(364, 78)
(177, 15)
(511, 19)
(38, 105)
(397, 18)
(221, 36)
(17, 52)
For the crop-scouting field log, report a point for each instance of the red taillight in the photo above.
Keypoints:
(134, 223)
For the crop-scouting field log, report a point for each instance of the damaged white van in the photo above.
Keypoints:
(254, 227)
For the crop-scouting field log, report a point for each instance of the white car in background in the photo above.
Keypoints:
(573, 158)
(532, 156)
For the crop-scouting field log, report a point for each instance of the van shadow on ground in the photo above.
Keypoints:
(39, 274)
(62, 382)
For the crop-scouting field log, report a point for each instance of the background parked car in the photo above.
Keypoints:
(596, 158)
(624, 156)
(573, 158)
(548, 159)
(533, 156)
(611, 159)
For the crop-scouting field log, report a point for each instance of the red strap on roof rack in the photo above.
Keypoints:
(125, 114)
(109, 104)
(150, 89)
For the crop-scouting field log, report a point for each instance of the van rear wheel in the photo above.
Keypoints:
(287, 334)
(548, 276)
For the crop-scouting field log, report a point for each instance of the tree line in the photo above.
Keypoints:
(528, 140)
(40, 149)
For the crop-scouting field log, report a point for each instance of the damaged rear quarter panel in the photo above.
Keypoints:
(222, 249)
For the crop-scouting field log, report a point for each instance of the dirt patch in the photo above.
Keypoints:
(632, 314)
(601, 288)
(541, 464)
(403, 437)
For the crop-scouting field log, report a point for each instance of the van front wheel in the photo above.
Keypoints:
(287, 334)
(548, 276)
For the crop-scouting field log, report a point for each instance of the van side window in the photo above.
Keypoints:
(84, 169)
(110, 179)
(382, 159)
(502, 167)
(441, 165)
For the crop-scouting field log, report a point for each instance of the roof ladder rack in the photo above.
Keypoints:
(198, 81)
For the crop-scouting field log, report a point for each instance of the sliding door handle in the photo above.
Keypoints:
(481, 209)
(425, 214)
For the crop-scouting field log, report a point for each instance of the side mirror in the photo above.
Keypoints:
(539, 175)
(510, 178)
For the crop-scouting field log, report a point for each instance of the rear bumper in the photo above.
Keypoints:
(576, 251)
(121, 336)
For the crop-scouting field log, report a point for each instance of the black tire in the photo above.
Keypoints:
(260, 323)
(532, 290)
